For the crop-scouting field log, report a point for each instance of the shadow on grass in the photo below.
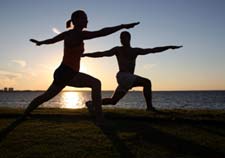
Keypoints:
(116, 124)
(216, 130)
(5, 131)
(147, 134)
(177, 145)
(166, 117)
(120, 146)
(49, 117)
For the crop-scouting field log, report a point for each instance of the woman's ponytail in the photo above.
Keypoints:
(68, 24)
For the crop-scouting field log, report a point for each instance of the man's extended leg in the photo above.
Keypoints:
(118, 94)
(147, 90)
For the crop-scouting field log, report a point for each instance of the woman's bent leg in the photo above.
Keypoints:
(84, 80)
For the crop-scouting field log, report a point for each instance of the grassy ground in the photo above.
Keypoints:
(127, 133)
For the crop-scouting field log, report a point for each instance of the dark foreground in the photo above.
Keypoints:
(58, 133)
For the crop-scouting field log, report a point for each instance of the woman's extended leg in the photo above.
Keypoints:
(84, 80)
(52, 91)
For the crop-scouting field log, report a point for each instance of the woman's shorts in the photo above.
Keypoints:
(63, 75)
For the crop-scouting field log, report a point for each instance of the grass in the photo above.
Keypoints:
(127, 133)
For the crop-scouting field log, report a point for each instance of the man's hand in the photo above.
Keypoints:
(38, 43)
(131, 25)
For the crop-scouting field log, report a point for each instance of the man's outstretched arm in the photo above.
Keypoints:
(107, 53)
(156, 49)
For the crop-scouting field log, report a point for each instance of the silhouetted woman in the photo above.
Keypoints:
(67, 74)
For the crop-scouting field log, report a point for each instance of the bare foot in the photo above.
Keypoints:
(152, 109)
(90, 107)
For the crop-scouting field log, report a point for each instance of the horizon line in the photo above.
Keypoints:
(114, 90)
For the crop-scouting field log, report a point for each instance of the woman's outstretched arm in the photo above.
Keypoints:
(107, 31)
(55, 39)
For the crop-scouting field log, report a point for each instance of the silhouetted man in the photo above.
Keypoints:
(126, 79)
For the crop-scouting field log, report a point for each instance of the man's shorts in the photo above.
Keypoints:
(125, 81)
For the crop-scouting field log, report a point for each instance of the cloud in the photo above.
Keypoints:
(8, 78)
(55, 30)
(9, 75)
(22, 63)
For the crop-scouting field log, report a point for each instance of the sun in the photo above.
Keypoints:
(83, 68)
(71, 100)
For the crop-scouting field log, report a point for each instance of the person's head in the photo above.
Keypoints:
(125, 38)
(78, 19)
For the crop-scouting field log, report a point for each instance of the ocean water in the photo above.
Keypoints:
(134, 99)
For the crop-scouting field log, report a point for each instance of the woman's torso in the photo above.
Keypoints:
(73, 49)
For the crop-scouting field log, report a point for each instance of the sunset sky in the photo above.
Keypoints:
(198, 25)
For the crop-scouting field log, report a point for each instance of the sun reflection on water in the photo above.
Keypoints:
(72, 100)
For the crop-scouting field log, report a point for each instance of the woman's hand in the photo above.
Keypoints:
(175, 47)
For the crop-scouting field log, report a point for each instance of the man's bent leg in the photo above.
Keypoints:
(147, 90)
(148, 95)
